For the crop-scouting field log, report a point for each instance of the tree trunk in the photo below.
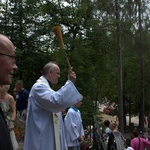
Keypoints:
(142, 109)
(120, 89)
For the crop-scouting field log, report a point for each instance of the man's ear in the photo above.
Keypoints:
(50, 72)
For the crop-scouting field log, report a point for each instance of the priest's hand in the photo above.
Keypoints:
(72, 75)
(80, 138)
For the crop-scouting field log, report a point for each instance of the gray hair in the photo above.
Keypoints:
(48, 67)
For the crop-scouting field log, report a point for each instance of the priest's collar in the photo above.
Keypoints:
(49, 83)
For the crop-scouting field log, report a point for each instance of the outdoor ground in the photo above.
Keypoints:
(134, 120)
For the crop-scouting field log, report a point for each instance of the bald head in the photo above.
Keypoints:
(7, 60)
(5, 44)
(49, 67)
(51, 72)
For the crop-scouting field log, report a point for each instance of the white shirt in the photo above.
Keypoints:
(73, 127)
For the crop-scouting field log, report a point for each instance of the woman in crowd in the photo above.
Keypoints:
(138, 143)
(8, 106)
(116, 139)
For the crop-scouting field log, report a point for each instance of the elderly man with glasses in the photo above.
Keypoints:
(7, 68)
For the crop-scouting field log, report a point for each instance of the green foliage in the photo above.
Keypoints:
(89, 33)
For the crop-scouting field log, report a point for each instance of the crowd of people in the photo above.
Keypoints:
(115, 140)
(8, 107)
(40, 109)
(14, 110)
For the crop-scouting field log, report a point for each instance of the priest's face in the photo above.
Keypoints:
(54, 74)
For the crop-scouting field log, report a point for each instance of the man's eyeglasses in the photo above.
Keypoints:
(10, 56)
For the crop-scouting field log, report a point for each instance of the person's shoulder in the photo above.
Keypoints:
(25, 90)
(39, 86)
(70, 110)
(134, 140)
(117, 134)
(108, 130)
(10, 98)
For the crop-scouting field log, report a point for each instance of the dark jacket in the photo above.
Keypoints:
(5, 141)
(116, 141)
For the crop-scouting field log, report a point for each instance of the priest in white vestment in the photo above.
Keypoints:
(43, 105)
